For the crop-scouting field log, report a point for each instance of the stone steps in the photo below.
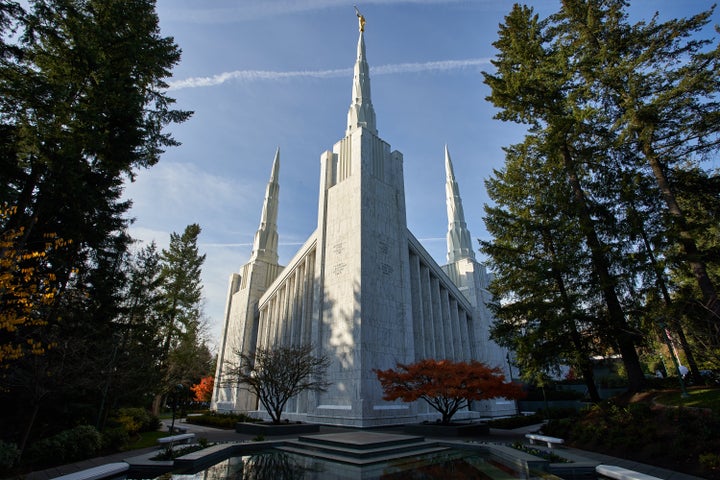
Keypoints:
(361, 448)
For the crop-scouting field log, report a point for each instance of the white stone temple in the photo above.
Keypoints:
(362, 289)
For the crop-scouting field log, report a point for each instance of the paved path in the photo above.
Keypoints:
(218, 436)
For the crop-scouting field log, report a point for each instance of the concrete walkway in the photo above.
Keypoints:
(215, 435)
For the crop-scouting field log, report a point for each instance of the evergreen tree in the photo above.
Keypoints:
(538, 260)
(659, 84)
(531, 86)
(181, 311)
(83, 106)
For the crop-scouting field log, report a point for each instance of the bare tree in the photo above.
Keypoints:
(277, 374)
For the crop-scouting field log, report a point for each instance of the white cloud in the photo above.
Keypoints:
(167, 189)
(259, 75)
(255, 75)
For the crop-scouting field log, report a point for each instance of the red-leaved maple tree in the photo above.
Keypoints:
(203, 390)
(445, 385)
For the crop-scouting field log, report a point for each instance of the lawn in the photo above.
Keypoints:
(146, 439)
(700, 397)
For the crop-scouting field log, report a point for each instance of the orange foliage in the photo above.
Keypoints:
(445, 385)
(203, 390)
(25, 288)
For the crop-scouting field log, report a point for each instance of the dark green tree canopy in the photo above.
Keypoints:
(618, 113)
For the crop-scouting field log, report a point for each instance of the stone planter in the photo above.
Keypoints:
(270, 429)
(452, 430)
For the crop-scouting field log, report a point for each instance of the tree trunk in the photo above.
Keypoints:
(157, 404)
(28, 429)
(675, 324)
(709, 293)
(588, 374)
(586, 367)
(625, 338)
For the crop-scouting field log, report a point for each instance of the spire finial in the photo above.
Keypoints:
(361, 19)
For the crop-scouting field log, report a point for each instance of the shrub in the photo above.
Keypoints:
(710, 461)
(77, 443)
(114, 438)
(135, 420)
(640, 411)
(8, 455)
(221, 420)
(170, 453)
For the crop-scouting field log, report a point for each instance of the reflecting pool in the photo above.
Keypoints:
(277, 465)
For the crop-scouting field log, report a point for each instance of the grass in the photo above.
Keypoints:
(146, 439)
(700, 397)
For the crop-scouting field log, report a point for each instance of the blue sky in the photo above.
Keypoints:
(263, 74)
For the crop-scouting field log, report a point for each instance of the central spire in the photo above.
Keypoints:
(458, 236)
(265, 244)
(361, 113)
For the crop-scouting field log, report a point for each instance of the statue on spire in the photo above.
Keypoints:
(361, 19)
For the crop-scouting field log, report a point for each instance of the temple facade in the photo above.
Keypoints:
(362, 289)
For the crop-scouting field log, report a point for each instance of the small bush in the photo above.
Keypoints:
(77, 443)
(114, 438)
(170, 453)
(135, 420)
(8, 455)
(710, 461)
(640, 411)
(220, 420)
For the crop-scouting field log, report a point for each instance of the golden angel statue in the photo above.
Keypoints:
(361, 19)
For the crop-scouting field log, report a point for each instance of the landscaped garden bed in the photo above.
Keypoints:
(639, 428)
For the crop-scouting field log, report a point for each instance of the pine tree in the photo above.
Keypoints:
(538, 259)
(181, 318)
(659, 84)
(83, 106)
(533, 85)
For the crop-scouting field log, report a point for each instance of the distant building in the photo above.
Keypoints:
(362, 289)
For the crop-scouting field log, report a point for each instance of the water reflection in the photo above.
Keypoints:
(260, 466)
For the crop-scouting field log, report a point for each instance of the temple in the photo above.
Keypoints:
(362, 289)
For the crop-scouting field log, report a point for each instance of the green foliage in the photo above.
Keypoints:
(171, 453)
(77, 443)
(184, 357)
(136, 420)
(115, 438)
(146, 440)
(675, 438)
(83, 107)
(538, 452)
(590, 212)
(220, 420)
(9, 454)
(698, 398)
(710, 461)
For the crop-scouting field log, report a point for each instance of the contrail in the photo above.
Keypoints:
(259, 75)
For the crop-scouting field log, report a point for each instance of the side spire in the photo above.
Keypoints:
(458, 237)
(361, 113)
(266, 238)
